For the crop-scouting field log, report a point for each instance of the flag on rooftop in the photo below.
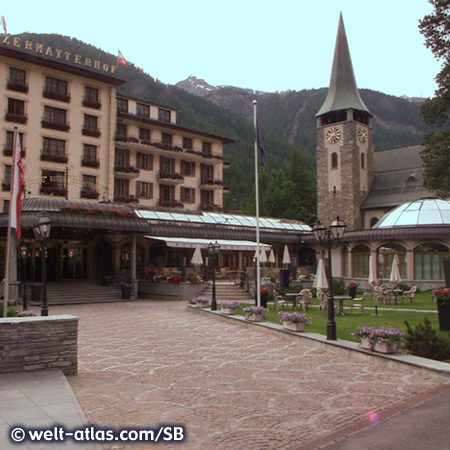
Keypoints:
(121, 60)
(16, 186)
(260, 146)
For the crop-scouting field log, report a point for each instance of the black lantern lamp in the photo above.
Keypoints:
(42, 233)
(213, 250)
(329, 238)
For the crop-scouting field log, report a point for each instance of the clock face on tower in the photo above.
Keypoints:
(362, 135)
(333, 135)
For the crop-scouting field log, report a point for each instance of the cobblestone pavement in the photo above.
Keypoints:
(142, 364)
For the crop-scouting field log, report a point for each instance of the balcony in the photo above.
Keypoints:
(17, 86)
(53, 190)
(8, 151)
(90, 163)
(211, 184)
(190, 153)
(18, 118)
(6, 186)
(56, 96)
(54, 125)
(89, 193)
(170, 203)
(125, 199)
(92, 103)
(126, 171)
(93, 132)
(61, 159)
(170, 178)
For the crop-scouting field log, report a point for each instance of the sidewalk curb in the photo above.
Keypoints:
(426, 367)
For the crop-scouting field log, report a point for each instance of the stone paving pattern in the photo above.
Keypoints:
(146, 363)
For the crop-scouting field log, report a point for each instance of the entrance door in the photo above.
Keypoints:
(74, 263)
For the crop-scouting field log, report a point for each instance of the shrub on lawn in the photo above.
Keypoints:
(424, 341)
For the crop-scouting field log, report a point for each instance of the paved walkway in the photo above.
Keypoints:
(142, 364)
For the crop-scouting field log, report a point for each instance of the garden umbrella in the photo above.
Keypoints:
(272, 256)
(372, 271)
(320, 282)
(395, 271)
(286, 257)
(197, 258)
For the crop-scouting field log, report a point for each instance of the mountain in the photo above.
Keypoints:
(290, 115)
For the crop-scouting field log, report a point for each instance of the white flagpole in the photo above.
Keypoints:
(258, 274)
(9, 232)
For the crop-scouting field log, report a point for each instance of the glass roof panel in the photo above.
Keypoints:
(429, 217)
(407, 218)
(164, 215)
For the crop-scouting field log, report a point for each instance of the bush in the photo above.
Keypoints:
(339, 287)
(10, 312)
(424, 341)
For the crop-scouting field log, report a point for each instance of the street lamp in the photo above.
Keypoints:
(213, 250)
(24, 254)
(329, 238)
(42, 233)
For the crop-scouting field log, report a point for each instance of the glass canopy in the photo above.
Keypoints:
(418, 213)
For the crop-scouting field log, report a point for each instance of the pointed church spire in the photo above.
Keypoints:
(342, 93)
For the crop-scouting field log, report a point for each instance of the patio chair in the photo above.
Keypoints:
(304, 298)
(411, 294)
(323, 300)
(279, 301)
(359, 302)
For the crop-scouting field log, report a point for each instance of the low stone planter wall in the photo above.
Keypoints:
(183, 291)
(39, 343)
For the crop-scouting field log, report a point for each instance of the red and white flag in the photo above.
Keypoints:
(4, 24)
(121, 59)
(16, 186)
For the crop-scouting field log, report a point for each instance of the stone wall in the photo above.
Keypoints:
(179, 291)
(39, 343)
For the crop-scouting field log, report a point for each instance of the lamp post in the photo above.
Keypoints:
(213, 250)
(329, 238)
(24, 254)
(42, 233)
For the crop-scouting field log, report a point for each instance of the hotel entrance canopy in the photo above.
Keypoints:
(203, 243)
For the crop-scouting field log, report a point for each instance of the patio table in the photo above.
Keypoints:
(340, 299)
(294, 296)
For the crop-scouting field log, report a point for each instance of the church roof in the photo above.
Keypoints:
(398, 178)
(342, 93)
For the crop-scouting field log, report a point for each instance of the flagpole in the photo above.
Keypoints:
(258, 274)
(9, 234)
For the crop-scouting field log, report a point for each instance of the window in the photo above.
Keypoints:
(122, 158)
(54, 147)
(90, 156)
(166, 139)
(90, 122)
(10, 140)
(167, 193)
(89, 182)
(206, 148)
(53, 182)
(164, 115)
(360, 259)
(121, 187)
(428, 261)
(144, 189)
(363, 160)
(385, 256)
(121, 130)
(188, 168)
(144, 161)
(16, 80)
(187, 195)
(16, 107)
(91, 93)
(55, 117)
(122, 105)
(142, 110)
(206, 174)
(187, 143)
(167, 165)
(206, 199)
(334, 160)
(8, 171)
(56, 89)
(373, 221)
(144, 134)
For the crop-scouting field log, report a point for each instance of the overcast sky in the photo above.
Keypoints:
(266, 45)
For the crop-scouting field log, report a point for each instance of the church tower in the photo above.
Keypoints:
(344, 143)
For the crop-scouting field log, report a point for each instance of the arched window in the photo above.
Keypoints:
(373, 221)
(385, 255)
(428, 261)
(360, 260)
(363, 160)
(334, 160)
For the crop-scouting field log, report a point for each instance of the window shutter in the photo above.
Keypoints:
(138, 188)
(193, 195)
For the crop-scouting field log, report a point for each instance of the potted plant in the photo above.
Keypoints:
(352, 289)
(386, 340)
(126, 291)
(364, 334)
(229, 307)
(26, 313)
(200, 302)
(443, 305)
(294, 321)
(264, 296)
(255, 313)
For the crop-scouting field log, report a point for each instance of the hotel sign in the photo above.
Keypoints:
(41, 49)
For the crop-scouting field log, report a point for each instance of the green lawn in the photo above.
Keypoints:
(386, 317)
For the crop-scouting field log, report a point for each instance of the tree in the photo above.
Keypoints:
(435, 112)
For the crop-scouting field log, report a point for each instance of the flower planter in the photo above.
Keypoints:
(384, 347)
(228, 310)
(294, 326)
(254, 318)
(202, 304)
(365, 343)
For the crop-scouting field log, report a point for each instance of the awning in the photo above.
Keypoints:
(203, 243)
